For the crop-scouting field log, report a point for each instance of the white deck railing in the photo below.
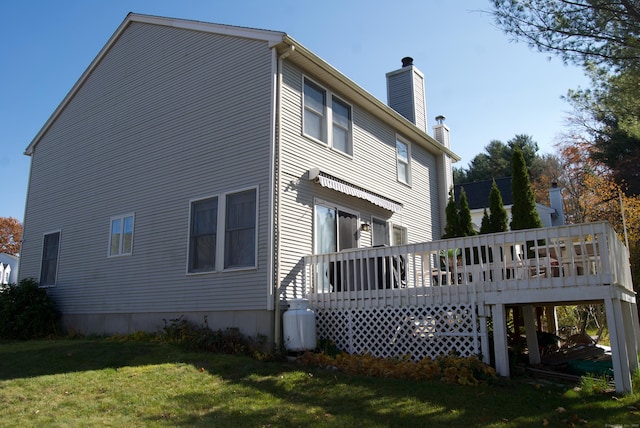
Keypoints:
(464, 270)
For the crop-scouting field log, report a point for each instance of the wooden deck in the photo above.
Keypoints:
(574, 264)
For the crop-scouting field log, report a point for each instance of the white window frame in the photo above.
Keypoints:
(57, 265)
(221, 232)
(189, 236)
(121, 251)
(407, 163)
(404, 232)
(327, 118)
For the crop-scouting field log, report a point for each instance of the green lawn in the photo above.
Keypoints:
(101, 382)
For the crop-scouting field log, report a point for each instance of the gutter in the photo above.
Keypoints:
(277, 324)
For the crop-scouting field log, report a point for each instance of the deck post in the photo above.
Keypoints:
(635, 322)
(619, 354)
(500, 340)
(484, 339)
(532, 337)
(552, 318)
(630, 320)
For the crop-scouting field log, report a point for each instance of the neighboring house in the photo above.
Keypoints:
(194, 165)
(9, 265)
(478, 198)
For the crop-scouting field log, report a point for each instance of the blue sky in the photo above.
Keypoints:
(487, 87)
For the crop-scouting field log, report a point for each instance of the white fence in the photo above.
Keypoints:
(466, 270)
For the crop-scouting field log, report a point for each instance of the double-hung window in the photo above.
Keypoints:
(202, 239)
(240, 230)
(222, 232)
(315, 111)
(399, 235)
(380, 232)
(327, 118)
(341, 131)
(403, 156)
(49, 267)
(121, 237)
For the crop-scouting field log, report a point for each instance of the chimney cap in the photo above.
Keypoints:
(407, 61)
(440, 119)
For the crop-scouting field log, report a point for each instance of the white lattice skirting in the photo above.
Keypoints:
(400, 331)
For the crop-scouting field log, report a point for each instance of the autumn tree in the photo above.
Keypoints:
(10, 235)
(548, 171)
(591, 194)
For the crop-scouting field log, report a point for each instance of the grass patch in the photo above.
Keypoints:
(89, 382)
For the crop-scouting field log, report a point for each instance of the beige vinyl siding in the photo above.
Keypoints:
(373, 167)
(420, 103)
(169, 115)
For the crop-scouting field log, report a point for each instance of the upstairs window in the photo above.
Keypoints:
(315, 111)
(327, 118)
(121, 237)
(402, 160)
(341, 114)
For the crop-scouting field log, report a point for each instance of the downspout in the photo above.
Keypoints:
(278, 136)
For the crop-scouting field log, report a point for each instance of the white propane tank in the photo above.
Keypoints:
(299, 326)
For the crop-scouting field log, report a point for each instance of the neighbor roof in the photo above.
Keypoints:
(478, 192)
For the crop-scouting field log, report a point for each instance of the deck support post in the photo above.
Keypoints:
(619, 353)
(635, 322)
(532, 338)
(484, 339)
(630, 319)
(552, 319)
(500, 340)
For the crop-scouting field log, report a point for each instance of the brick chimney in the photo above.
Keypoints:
(405, 93)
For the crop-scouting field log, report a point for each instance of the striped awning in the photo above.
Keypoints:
(330, 182)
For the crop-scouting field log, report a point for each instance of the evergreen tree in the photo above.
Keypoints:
(484, 225)
(451, 228)
(499, 219)
(464, 221)
(523, 212)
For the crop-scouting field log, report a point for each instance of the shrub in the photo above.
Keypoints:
(27, 312)
(445, 368)
(202, 338)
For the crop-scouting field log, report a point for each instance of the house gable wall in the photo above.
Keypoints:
(168, 115)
